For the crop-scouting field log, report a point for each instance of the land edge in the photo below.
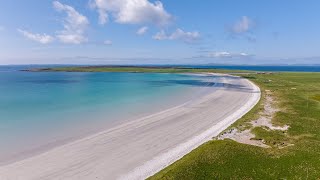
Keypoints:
(164, 160)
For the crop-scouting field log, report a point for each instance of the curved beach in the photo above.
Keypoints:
(140, 148)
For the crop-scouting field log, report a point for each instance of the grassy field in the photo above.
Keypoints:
(298, 97)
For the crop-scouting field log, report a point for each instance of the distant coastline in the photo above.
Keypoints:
(170, 68)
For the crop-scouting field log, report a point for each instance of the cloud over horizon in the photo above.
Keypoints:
(142, 30)
(74, 25)
(41, 38)
(243, 28)
(243, 25)
(225, 54)
(131, 12)
(178, 34)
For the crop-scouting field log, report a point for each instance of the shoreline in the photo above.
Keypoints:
(164, 160)
(149, 167)
(158, 109)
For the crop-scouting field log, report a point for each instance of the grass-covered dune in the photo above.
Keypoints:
(297, 96)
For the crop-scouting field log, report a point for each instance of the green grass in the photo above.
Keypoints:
(316, 97)
(298, 96)
(271, 138)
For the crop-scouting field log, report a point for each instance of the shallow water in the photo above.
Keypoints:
(43, 109)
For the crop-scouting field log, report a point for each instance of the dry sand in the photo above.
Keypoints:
(140, 148)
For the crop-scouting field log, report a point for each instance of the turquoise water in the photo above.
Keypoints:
(42, 109)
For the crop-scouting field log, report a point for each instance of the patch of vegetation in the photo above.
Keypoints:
(297, 95)
(316, 97)
(271, 138)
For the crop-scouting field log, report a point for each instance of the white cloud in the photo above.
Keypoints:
(161, 35)
(179, 34)
(142, 30)
(41, 38)
(225, 54)
(74, 25)
(131, 11)
(107, 42)
(243, 25)
(220, 54)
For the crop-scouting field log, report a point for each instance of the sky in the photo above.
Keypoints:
(159, 32)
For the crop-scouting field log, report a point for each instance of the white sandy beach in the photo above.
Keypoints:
(140, 148)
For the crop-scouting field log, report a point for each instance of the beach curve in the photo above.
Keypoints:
(141, 148)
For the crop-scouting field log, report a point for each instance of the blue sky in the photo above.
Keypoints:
(167, 31)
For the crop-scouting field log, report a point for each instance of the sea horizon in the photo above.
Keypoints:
(250, 67)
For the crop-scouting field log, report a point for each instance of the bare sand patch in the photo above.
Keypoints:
(264, 120)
